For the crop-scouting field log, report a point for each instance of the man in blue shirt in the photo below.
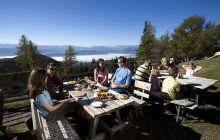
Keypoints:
(122, 77)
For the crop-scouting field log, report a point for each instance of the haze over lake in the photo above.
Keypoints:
(85, 54)
(86, 58)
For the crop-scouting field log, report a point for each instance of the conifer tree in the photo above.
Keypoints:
(28, 55)
(147, 43)
(69, 59)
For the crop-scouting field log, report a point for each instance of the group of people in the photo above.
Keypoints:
(42, 89)
(42, 85)
(170, 87)
(121, 79)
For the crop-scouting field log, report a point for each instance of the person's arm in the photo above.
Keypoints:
(105, 79)
(185, 66)
(95, 75)
(159, 67)
(106, 76)
(198, 68)
(119, 86)
(113, 79)
(114, 76)
(42, 101)
(51, 108)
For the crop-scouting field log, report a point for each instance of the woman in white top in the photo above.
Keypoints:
(191, 69)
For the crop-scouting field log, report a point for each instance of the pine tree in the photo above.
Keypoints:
(164, 43)
(69, 59)
(92, 65)
(28, 55)
(148, 41)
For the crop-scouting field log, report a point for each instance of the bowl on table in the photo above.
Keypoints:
(122, 96)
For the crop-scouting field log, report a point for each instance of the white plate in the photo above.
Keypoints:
(65, 83)
(96, 104)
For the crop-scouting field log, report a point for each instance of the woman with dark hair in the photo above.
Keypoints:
(101, 72)
(48, 108)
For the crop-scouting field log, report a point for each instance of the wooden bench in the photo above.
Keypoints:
(56, 130)
(140, 89)
(180, 104)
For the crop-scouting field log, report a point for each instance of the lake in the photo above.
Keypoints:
(86, 58)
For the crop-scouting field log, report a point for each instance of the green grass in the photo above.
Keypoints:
(210, 69)
(16, 105)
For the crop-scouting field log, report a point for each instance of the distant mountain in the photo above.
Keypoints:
(53, 50)
(10, 63)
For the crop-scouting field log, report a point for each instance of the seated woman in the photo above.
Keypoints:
(155, 83)
(49, 109)
(164, 67)
(191, 69)
(101, 72)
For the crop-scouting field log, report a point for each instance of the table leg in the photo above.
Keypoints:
(118, 116)
(197, 99)
(93, 128)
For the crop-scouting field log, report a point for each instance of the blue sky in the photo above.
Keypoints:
(96, 22)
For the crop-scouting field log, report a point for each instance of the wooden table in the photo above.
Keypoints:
(96, 113)
(196, 82)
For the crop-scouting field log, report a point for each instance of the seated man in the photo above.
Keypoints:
(122, 77)
(143, 71)
(171, 87)
(52, 81)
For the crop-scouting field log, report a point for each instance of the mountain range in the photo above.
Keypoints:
(56, 50)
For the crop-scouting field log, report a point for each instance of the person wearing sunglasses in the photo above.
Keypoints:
(48, 108)
(53, 82)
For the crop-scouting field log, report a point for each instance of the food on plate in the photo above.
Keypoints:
(122, 96)
(71, 82)
(103, 95)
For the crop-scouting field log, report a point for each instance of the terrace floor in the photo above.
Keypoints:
(157, 123)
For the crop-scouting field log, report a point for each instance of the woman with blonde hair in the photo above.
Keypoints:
(48, 108)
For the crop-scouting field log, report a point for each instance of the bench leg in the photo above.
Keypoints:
(178, 109)
(197, 99)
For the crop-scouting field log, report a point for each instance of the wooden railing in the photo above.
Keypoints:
(14, 84)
